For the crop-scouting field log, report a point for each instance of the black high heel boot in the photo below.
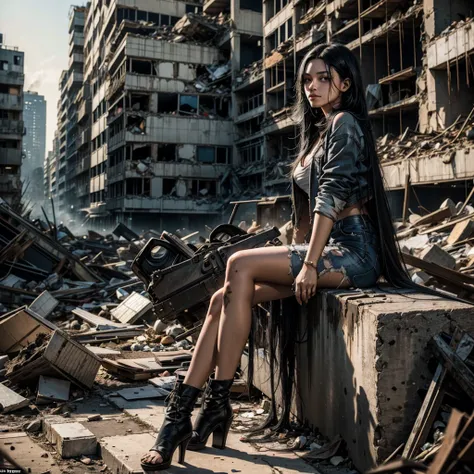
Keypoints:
(177, 428)
(215, 416)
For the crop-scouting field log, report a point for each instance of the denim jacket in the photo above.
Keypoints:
(339, 176)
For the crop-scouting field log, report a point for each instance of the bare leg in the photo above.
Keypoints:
(204, 356)
(253, 276)
(244, 270)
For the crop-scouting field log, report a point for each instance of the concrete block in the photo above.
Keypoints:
(132, 308)
(51, 388)
(435, 254)
(10, 400)
(24, 452)
(73, 440)
(462, 230)
(369, 359)
(44, 305)
(122, 455)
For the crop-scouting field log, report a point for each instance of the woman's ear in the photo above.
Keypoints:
(346, 84)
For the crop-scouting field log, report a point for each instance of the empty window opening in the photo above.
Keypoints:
(141, 67)
(166, 152)
(138, 102)
(188, 104)
(136, 124)
(141, 152)
(167, 103)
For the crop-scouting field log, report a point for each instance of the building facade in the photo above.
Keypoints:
(34, 148)
(185, 106)
(34, 142)
(11, 123)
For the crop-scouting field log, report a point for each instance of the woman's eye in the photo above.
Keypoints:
(307, 80)
(324, 79)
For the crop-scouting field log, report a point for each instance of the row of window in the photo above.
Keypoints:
(167, 152)
(100, 110)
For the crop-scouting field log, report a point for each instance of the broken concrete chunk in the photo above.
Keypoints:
(10, 400)
(52, 389)
(34, 426)
(73, 440)
(435, 254)
(44, 305)
(132, 308)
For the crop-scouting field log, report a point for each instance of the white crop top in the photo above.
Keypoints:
(301, 175)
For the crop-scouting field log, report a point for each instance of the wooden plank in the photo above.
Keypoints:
(466, 202)
(448, 225)
(405, 198)
(452, 276)
(458, 370)
(95, 320)
(434, 217)
(449, 442)
(64, 354)
(21, 329)
(433, 400)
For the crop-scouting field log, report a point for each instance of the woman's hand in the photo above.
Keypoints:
(306, 284)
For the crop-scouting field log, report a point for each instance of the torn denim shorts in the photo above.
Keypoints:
(352, 249)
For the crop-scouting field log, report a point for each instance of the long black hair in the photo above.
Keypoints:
(282, 332)
(312, 125)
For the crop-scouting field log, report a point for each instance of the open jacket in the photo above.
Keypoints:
(339, 173)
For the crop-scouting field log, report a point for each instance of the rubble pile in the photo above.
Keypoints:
(438, 248)
(442, 438)
(416, 145)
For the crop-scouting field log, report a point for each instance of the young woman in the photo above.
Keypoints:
(338, 196)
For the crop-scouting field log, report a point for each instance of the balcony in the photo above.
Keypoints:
(214, 7)
(162, 205)
(10, 156)
(11, 102)
(12, 78)
(75, 78)
(76, 58)
(12, 127)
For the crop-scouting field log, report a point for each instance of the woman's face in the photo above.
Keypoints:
(321, 89)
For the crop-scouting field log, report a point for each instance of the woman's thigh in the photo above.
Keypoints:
(262, 265)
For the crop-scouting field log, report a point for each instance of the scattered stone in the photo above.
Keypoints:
(94, 417)
(167, 340)
(86, 460)
(34, 426)
(336, 460)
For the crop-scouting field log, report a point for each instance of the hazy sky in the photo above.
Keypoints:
(39, 29)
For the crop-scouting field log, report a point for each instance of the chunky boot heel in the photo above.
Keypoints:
(219, 436)
(215, 416)
(177, 429)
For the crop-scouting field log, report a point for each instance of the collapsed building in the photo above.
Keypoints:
(416, 63)
(186, 106)
(11, 122)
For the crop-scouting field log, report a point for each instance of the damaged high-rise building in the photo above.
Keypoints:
(12, 126)
(416, 63)
(186, 106)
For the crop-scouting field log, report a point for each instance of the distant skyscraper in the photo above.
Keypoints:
(34, 142)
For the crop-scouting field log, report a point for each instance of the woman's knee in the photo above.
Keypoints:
(215, 305)
(236, 262)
